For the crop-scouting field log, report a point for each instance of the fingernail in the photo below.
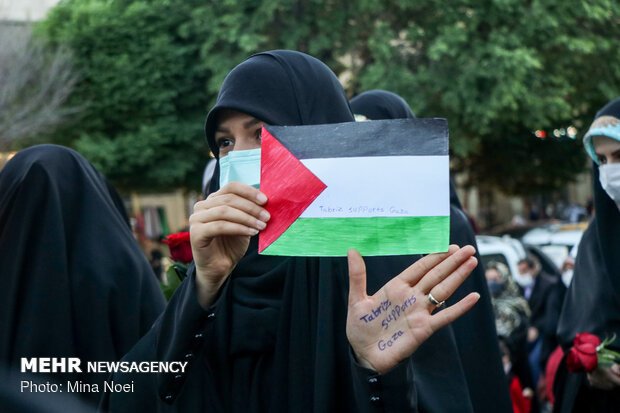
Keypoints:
(253, 231)
(260, 224)
(262, 198)
(264, 216)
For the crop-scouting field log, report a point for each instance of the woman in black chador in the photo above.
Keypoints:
(592, 303)
(475, 332)
(271, 334)
(74, 282)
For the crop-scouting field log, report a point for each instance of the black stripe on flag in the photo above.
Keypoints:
(394, 137)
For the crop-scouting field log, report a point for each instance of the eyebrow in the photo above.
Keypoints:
(251, 123)
(246, 125)
(614, 153)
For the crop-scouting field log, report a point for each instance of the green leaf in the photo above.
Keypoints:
(172, 282)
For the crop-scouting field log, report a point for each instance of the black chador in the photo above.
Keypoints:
(74, 282)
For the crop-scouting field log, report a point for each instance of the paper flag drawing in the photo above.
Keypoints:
(381, 187)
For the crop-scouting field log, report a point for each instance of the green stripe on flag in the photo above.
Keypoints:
(332, 237)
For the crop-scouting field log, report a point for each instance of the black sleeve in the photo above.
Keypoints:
(553, 308)
(475, 331)
(393, 391)
(178, 335)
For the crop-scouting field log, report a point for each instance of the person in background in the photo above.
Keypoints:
(380, 104)
(475, 332)
(568, 267)
(512, 315)
(544, 295)
(575, 213)
(592, 303)
(74, 280)
(521, 398)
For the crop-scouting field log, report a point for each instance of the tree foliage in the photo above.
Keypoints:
(144, 87)
(496, 69)
(499, 70)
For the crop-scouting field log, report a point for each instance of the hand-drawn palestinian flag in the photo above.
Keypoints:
(381, 187)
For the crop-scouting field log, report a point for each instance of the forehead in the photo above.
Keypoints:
(227, 117)
(605, 144)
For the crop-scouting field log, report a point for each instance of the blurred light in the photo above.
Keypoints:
(12, 154)
(540, 134)
(556, 133)
(562, 131)
(571, 131)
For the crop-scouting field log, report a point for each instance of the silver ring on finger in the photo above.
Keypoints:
(434, 301)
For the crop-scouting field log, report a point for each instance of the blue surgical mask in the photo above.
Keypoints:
(241, 166)
(496, 288)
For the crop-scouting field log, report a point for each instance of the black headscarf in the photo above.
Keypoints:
(475, 331)
(74, 282)
(275, 338)
(592, 303)
(274, 86)
(381, 104)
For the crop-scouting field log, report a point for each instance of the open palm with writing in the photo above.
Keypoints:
(389, 326)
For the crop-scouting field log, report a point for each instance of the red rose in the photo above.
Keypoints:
(583, 338)
(180, 247)
(582, 358)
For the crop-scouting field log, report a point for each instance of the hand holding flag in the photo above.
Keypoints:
(389, 326)
(220, 231)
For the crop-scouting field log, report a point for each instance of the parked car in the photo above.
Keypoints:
(556, 240)
(506, 250)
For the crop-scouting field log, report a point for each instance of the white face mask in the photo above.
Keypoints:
(567, 276)
(524, 280)
(609, 175)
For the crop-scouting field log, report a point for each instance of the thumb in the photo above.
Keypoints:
(357, 277)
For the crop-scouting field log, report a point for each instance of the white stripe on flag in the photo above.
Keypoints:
(357, 187)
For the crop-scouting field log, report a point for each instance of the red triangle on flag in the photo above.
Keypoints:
(290, 188)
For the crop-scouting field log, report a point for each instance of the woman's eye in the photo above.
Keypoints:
(259, 134)
(602, 160)
(223, 143)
